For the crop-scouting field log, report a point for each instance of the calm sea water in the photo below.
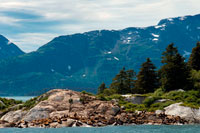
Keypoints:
(23, 98)
(111, 129)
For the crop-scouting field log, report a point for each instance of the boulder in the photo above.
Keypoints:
(162, 100)
(137, 99)
(190, 114)
(37, 113)
(14, 116)
(159, 111)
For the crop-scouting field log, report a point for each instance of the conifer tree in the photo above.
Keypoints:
(147, 78)
(123, 82)
(130, 80)
(101, 88)
(194, 60)
(175, 72)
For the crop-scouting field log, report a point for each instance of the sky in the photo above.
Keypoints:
(32, 23)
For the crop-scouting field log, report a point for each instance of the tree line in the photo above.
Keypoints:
(174, 74)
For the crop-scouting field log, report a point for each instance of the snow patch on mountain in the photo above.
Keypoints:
(116, 58)
(155, 39)
(170, 19)
(161, 27)
(155, 35)
(9, 42)
(182, 18)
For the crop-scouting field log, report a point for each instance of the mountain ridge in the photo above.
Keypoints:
(8, 49)
(83, 61)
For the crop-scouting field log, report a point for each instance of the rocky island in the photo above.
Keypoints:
(67, 108)
(170, 95)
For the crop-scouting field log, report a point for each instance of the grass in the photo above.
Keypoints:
(6, 103)
(88, 93)
(188, 98)
(32, 102)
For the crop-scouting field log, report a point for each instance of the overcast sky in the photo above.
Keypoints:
(32, 23)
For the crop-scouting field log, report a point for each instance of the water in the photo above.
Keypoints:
(110, 129)
(22, 98)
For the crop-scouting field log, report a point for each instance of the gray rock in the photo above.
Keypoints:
(134, 99)
(14, 116)
(190, 114)
(162, 100)
(159, 111)
(114, 110)
(36, 113)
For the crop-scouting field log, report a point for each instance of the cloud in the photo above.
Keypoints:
(44, 18)
(9, 20)
(31, 41)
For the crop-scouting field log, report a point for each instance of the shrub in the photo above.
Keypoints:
(108, 92)
(115, 96)
(150, 100)
(88, 93)
(71, 101)
(158, 93)
(102, 97)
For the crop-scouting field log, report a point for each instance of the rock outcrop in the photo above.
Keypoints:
(14, 116)
(137, 99)
(190, 114)
(67, 108)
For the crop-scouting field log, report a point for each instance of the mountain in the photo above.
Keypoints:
(83, 61)
(8, 49)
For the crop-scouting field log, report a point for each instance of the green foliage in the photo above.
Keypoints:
(191, 105)
(5, 103)
(188, 98)
(195, 77)
(102, 97)
(160, 106)
(71, 101)
(109, 92)
(149, 101)
(147, 79)
(174, 73)
(88, 93)
(158, 93)
(33, 101)
(123, 82)
(101, 88)
(30, 103)
(194, 60)
(115, 96)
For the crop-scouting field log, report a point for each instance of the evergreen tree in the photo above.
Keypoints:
(123, 82)
(101, 88)
(194, 60)
(147, 78)
(130, 80)
(175, 72)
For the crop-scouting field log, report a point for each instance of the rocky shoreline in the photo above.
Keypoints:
(66, 108)
(99, 121)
